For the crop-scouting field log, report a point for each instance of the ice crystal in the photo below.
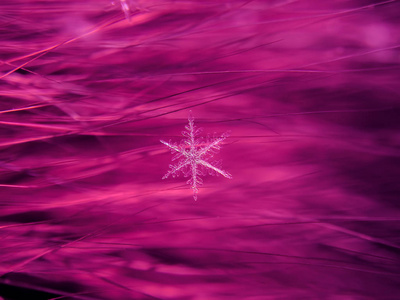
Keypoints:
(194, 154)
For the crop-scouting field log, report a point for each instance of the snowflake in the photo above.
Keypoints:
(194, 154)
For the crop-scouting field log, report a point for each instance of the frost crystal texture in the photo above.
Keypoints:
(194, 154)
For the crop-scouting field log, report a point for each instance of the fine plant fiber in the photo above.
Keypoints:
(309, 92)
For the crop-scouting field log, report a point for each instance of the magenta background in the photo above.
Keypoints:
(310, 93)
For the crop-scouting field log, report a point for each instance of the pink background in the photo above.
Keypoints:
(310, 93)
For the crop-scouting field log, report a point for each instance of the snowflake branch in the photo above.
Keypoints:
(214, 144)
(195, 181)
(173, 147)
(208, 165)
(175, 169)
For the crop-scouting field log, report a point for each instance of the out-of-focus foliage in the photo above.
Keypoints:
(309, 90)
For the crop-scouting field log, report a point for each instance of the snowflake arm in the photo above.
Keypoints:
(172, 147)
(195, 181)
(175, 169)
(194, 155)
(210, 166)
(214, 145)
